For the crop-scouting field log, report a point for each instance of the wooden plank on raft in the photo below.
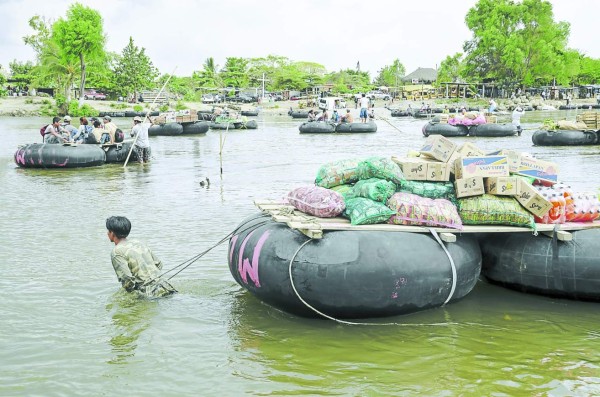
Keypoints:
(448, 237)
(298, 220)
(561, 235)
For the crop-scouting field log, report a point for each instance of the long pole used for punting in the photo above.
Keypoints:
(147, 115)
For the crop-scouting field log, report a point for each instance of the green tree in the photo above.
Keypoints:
(208, 77)
(268, 67)
(589, 72)
(451, 69)
(234, 73)
(22, 72)
(134, 70)
(81, 36)
(40, 39)
(391, 75)
(515, 41)
(349, 80)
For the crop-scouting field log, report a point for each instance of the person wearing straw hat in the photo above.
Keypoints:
(142, 143)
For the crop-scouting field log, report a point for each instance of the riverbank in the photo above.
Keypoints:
(37, 106)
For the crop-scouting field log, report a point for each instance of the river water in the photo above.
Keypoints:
(66, 327)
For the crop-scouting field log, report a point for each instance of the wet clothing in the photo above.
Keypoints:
(138, 269)
(142, 143)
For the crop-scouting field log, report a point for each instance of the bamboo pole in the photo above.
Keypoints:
(146, 116)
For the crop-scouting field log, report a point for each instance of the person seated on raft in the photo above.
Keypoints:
(54, 133)
(372, 113)
(324, 116)
(71, 129)
(311, 115)
(335, 117)
(348, 117)
(96, 135)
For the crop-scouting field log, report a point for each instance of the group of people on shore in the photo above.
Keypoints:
(97, 132)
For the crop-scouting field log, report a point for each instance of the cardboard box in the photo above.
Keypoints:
(531, 199)
(501, 185)
(468, 187)
(514, 158)
(439, 148)
(413, 168)
(438, 171)
(544, 171)
(466, 150)
(484, 166)
(420, 169)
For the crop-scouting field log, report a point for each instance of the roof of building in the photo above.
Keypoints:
(422, 74)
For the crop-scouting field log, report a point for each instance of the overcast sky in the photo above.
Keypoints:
(336, 34)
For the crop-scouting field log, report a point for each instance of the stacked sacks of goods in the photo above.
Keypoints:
(375, 190)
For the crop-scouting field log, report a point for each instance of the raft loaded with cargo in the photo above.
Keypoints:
(470, 124)
(177, 123)
(388, 236)
(584, 131)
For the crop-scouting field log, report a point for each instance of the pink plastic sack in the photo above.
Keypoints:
(317, 201)
(416, 210)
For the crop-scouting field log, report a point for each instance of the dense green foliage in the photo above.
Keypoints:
(391, 75)
(517, 42)
(514, 42)
(451, 69)
(133, 71)
(80, 36)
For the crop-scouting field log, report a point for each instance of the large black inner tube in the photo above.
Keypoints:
(564, 138)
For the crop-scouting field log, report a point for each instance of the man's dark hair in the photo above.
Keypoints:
(363, 95)
(55, 120)
(97, 123)
(119, 225)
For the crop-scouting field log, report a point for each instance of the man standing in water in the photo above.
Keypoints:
(364, 108)
(142, 143)
(137, 268)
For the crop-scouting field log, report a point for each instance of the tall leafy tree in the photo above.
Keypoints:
(234, 73)
(515, 41)
(589, 72)
(134, 70)
(391, 75)
(80, 35)
(451, 69)
(22, 72)
(209, 75)
(349, 80)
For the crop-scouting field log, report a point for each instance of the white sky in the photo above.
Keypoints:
(336, 34)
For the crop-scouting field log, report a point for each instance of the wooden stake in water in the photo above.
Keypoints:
(146, 116)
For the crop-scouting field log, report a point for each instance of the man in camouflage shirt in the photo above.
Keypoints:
(137, 268)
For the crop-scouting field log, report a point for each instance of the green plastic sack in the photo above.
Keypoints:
(364, 211)
(374, 189)
(344, 190)
(337, 173)
(432, 190)
(494, 210)
(379, 167)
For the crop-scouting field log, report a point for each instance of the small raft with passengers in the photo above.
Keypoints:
(352, 272)
(564, 138)
(327, 127)
(444, 129)
(173, 128)
(47, 155)
(233, 124)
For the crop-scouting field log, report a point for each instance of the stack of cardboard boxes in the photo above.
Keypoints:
(476, 172)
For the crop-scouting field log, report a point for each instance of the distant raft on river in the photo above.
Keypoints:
(172, 129)
(564, 138)
(327, 127)
(481, 130)
(46, 155)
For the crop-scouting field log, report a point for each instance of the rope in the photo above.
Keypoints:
(193, 259)
(387, 121)
(337, 320)
(452, 265)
